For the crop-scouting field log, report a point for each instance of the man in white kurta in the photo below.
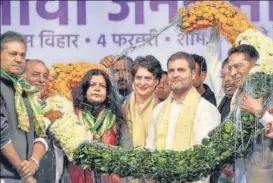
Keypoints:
(207, 117)
(184, 118)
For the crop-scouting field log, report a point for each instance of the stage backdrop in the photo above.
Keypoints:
(62, 31)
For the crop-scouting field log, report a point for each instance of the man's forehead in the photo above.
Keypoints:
(15, 46)
(122, 63)
(37, 66)
(237, 57)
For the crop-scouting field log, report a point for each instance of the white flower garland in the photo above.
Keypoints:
(67, 130)
(264, 46)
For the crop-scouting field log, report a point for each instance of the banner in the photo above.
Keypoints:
(64, 31)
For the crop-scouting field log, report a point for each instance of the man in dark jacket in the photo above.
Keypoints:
(229, 88)
(200, 76)
(22, 127)
(52, 165)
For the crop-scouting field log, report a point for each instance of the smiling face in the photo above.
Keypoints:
(228, 83)
(180, 75)
(96, 93)
(13, 57)
(36, 73)
(144, 82)
(239, 68)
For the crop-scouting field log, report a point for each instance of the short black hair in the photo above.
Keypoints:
(150, 63)
(10, 36)
(224, 62)
(249, 51)
(164, 72)
(201, 61)
(188, 57)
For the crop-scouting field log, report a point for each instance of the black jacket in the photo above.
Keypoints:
(22, 141)
(224, 107)
(209, 95)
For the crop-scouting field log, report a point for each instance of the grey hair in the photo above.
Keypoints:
(30, 61)
(11, 36)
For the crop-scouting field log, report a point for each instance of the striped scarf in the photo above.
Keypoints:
(20, 86)
(105, 121)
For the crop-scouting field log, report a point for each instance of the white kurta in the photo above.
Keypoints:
(207, 118)
(214, 64)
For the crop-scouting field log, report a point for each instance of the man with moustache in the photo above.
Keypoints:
(163, 89)
(22, 127)
(121, 68)
(228, 85)
(178, 122)
(37, 73)
(240, 61)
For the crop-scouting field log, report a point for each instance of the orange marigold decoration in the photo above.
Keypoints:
(63, 77)
(200, 15)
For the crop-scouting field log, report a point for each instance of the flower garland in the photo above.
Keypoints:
(184, 166)
(165, 166)
(63, 77)
(172, 166)
(200, 15)
(67, 130)
(201, 160)
(264, 46)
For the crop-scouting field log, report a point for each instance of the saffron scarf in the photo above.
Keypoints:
(184, 134)
(139, 118)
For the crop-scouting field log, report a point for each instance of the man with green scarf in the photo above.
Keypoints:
(22, 126)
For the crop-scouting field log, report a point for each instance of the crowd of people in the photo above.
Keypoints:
(141, 106)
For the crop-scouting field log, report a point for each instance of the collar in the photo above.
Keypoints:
(173, 99)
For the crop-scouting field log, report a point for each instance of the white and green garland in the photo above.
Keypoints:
(171, 166)
(223, 145)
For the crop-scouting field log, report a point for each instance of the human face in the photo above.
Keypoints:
(96, 93)
(13, 57)
(123, 76)
(239, 68)
(144, 82)
(37, 74)
(180, 75)
(228, 83)
(199, 77)
(163, 88)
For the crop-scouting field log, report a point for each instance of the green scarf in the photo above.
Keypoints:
(105, 121)
(20, 86)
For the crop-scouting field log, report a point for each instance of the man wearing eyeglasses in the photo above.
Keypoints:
(121, 70)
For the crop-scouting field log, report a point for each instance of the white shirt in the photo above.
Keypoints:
(214, 64)
(206, 119)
